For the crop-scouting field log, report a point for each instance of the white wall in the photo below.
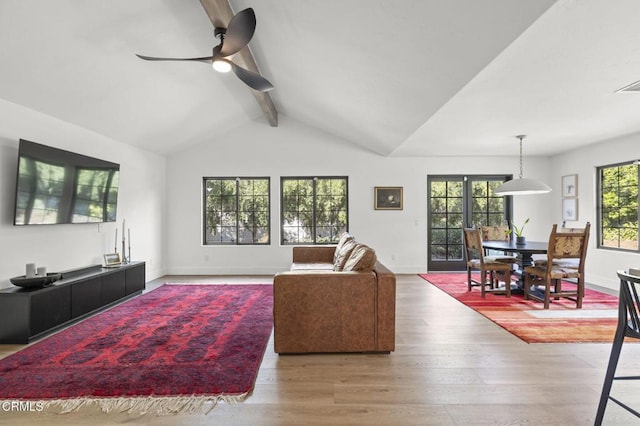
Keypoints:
(168, 235)
(293, 149)
(602, 264)
(141, 200)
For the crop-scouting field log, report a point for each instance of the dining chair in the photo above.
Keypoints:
(566, 255)
(476, 260)
(564, 262)
(628, 326)
(497, 233)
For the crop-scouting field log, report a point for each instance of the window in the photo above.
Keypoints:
(236, 211)
(314, 209)
(618, 206)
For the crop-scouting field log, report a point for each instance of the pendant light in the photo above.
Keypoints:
(522, 186)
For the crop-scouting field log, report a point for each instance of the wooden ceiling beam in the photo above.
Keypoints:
(220, 14)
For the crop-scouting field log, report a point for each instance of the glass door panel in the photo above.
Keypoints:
(486, 208)
(454, 203)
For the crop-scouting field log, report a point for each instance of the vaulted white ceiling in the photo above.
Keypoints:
(399, 78)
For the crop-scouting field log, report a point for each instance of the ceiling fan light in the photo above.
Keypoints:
(221, 65)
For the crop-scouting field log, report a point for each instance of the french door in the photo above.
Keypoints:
(455, 202)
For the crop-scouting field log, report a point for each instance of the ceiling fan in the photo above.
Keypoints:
(232, 39)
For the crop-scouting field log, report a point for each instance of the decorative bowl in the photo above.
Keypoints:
(35, 282)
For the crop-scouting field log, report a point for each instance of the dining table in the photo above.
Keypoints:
(524, 254)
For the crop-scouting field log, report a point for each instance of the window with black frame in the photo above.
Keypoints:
(236, 210)
(314, 210)
(618, 206)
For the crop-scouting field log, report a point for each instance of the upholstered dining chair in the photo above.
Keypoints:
(566, 255)
(497, 233)
(628, 326)
(564, 262)
(476, 260)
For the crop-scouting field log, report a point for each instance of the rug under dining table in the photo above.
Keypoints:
(526, 319)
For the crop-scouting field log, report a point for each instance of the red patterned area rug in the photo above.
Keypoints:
(561, 323)
(176, 348)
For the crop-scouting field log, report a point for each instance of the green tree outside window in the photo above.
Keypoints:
(237, 211)
(618, 194)
(314, 209)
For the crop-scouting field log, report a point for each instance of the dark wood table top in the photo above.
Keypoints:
(530, 247)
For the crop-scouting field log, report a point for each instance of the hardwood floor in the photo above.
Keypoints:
(451, 366)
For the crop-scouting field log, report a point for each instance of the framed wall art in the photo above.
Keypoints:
(569, 209)
(570, 186)
(388, 198)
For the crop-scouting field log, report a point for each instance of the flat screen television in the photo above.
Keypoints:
(57, 186)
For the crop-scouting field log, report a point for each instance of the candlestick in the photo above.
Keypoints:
(124, 251)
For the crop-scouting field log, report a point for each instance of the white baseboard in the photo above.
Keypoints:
(209, 270)
(248, 270)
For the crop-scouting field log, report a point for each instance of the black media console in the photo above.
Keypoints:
(27, 314)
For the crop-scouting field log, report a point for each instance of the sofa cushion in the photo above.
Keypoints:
(312, 266)
(564, 263)
(343, 254)
(362, 258)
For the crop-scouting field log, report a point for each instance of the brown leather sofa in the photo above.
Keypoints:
(319, 309)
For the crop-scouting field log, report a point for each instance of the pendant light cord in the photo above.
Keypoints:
(521, 137)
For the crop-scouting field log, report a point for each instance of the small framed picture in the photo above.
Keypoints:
(388, 198)
(112, 259)
(570, 186)
(570, 209)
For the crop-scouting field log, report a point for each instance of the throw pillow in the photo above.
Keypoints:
(362, 258)
(343, 254)
(343, 239)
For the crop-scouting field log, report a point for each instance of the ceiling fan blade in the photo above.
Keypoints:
(251, 79)
(239, 31)
(206, 59)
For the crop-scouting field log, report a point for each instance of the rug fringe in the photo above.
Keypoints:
(142, 405)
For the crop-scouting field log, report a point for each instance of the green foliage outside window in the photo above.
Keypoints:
(314, 210)
(487, 208)
(236, 210)
(619, 206)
